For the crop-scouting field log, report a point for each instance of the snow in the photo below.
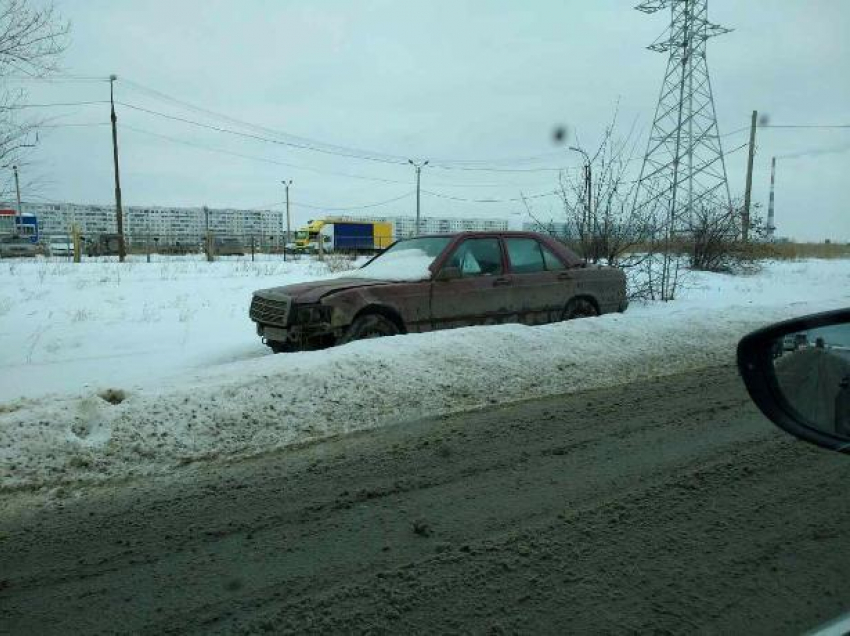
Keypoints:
(402, 265)
(66, 327)
(175, 337)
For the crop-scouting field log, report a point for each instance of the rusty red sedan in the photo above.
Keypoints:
(439, 282)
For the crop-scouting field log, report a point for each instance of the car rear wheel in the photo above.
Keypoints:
(580, 308)
(370, 326)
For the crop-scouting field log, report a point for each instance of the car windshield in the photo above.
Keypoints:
(407, 260)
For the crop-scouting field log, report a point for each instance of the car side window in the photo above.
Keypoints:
(526, 256)
(477, 257)
(553, 263)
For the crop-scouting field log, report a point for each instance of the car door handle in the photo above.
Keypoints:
(501, 282)
(565, 276)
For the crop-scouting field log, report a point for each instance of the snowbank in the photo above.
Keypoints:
(254, 405)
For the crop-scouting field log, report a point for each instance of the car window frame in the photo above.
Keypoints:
(544, 249)
(540, 246)
(452, 247)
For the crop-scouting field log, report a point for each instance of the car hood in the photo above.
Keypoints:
(312, 292)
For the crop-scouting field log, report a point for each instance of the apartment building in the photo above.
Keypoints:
(186, 226)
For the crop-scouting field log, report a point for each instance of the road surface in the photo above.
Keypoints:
(667, 506)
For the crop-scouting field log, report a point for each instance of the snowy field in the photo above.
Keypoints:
(174, 336)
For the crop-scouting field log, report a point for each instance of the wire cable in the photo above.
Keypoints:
(510, 200)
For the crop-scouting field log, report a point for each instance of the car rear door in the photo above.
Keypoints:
(481, 295)
(542, 283)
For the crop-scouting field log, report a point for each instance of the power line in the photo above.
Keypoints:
(453, 198)
(50, 79)
(75, 125)
(316, 145)
(238, 133)
(254, 137)
(22, 106)
(267, 160)
(260, 159)
(334, 209)
(355, 207)
(822, 126)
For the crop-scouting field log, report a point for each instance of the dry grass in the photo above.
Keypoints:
(810, 250)
(780, 251)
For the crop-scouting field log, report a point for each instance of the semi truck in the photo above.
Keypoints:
(344, 235)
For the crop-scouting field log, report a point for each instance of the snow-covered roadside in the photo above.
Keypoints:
(68, 328)
(255, 405)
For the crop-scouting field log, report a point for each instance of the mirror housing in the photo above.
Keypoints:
(780, 346)
(448, 273)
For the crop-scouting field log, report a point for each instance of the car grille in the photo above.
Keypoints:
(269, 312)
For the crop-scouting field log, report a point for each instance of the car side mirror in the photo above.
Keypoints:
(798, 373)
(448, 273)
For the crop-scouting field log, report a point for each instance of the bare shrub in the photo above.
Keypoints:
(337, 262)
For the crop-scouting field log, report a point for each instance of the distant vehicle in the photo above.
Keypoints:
(21, 225)
(439, 282)
(344, 235)
(228, 246)
(60, 246)
(103, 245)
(789, 343)
(17, 247)
(801, 340)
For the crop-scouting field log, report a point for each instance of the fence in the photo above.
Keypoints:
(214, 246)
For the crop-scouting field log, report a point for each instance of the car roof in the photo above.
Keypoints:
(550, 242)
(520, 233)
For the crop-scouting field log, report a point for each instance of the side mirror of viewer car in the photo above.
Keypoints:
(798, 373)
(448, 273)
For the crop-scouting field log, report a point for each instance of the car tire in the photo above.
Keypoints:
(369, 326)
(580, 308)
(281, 347)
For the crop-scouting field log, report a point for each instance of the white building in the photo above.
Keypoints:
(164, 225)
(557, 229)
(186, 226)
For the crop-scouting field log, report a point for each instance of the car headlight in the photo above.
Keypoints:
(312, 314)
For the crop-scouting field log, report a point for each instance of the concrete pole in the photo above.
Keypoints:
(745, 218)
(119, 213)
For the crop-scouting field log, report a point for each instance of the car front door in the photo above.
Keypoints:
(478, 290)
(541, 282)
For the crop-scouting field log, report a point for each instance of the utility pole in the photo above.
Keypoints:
(771, 219)
(745, 218)
(588, 186)
(119, 213)
(418, 167)
(20, 212)
(286, 238)
(208, 243)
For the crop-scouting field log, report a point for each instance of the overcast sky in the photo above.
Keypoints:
(445, 81)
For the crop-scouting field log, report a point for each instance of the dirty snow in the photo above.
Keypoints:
(176, 339)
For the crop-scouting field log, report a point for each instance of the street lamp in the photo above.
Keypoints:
(286, 185)
(418, 167)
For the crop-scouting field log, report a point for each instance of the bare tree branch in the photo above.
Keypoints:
(31, 42)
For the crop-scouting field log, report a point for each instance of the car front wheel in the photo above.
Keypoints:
(369, 326)
(281, 347)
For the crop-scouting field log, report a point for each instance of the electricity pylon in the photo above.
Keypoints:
(684, 167)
